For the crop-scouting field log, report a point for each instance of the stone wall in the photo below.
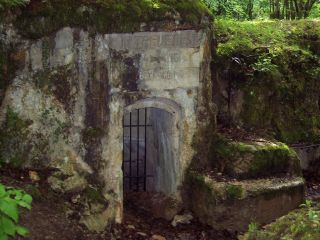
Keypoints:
(71, 89)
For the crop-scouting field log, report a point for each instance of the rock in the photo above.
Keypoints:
(157, 237)
(75, 184)
(97, 222)
(186, 236)
(72, 184)
(159, 205)
(75, 199)
(142, 234)
(131, 227)
(181, 219)
(34, 176)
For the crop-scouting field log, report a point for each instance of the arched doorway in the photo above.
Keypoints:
(151, 146)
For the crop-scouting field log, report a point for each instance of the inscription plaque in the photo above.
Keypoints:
(144, 41)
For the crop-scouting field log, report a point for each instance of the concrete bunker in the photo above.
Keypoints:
(76, 88)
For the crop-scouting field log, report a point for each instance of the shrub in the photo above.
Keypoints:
(10, 200)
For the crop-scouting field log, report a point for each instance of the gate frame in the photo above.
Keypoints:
(175, 109)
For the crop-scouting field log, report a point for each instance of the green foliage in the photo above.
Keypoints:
(10, 200)
(12, 3)
(252, 230)
(233, 9)
(302, 224)
(264, 64)
(262, 9)
(315, 12)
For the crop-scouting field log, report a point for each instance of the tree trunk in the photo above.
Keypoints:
(250, 9)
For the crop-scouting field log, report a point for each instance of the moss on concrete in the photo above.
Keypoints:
(252, 159)
(234, 191)
(40, 18)
(93, 195)
(13, 135)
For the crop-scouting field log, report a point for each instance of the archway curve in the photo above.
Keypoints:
(156, 102)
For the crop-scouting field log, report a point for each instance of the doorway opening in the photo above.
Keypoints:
(148, 153)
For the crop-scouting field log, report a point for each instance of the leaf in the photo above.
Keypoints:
(2, 191)
(10, 209)
(27, 198)
(24, 204)
(18, 195)
(22, 231)
(3, 236)
(8, 226)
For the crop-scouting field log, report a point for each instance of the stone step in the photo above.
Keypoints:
(233, 205)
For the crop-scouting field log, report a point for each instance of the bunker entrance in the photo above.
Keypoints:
(148, 164)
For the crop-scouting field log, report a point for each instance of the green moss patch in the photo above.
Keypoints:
(234, 191)
(40, 18)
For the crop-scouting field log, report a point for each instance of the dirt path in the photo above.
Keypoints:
(50, 218)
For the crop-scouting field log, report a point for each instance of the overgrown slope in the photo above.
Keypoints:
(269, 77)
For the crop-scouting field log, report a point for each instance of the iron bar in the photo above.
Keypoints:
(130, 156)
(123, 153)
(145, 149)
(138, 128)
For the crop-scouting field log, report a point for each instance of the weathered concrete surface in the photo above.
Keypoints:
(309, 156)
(234, 205)
(72, 89)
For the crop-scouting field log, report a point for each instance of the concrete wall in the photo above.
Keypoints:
(309, 156)
(74, 87)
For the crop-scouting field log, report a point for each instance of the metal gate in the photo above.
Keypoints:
(135, 134)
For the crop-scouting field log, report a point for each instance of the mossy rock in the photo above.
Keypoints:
(253, 159)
